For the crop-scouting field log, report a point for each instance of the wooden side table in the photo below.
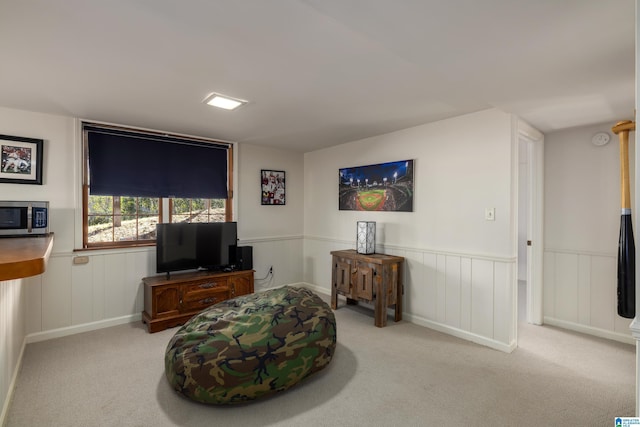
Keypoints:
(374, 278)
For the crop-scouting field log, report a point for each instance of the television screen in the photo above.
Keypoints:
(189, 246)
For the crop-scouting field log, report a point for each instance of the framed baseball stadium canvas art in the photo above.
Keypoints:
(20, 160)
(381, 187)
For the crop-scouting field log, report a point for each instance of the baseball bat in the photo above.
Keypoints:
(626, 246)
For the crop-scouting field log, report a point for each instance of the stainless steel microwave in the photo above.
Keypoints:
(24, 218)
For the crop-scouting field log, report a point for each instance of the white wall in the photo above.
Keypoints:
(275, 232)
(107, 290)
(58, 170)
(460, 268)
(582, 224)
(256, 220)
(58, 189)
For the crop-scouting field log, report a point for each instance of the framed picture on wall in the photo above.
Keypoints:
(380, 187)
(20, 160)
(273, 187)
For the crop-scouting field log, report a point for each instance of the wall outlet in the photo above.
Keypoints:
(80, 260)
(490, 214)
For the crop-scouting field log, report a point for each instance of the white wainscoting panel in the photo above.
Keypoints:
(284, 254)
(482, 283)
(580, 294)
(12, 338)
(585, 266)
(504, 301)
(68, 297)
(82, 280)
(602, 285)
(468, 296)
(56, 293)
(465, 294)
(452, 308)
(430, 282)
(414, 272)
(317, 260)
(566, 287)
(441, 288)
(33, 308)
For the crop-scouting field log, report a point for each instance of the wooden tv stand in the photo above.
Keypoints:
(170, 302)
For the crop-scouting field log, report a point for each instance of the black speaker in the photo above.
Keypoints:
(244, 258)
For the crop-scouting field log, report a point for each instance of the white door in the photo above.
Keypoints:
(534, 144)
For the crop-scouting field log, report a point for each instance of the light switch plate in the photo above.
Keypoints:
(490, 214)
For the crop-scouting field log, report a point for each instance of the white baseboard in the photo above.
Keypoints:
(92, 326)
(590, 330)
(306, 285)
(85, 327)
(12, 384)
(459, 333)
(314, 288)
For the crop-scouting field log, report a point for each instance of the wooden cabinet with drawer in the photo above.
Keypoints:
(374, 278)
(171, 301)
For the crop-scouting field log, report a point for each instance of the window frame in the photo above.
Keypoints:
(163, 216)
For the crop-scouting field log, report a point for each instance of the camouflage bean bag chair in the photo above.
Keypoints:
(251, 346)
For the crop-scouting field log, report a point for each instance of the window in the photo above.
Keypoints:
(128, 175)
(197, 210)
(121, 219)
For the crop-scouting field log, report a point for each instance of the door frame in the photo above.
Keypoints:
(535, 225)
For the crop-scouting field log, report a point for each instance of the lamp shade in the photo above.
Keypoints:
(366, 237)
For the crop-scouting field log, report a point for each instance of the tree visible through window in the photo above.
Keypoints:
(122, 218)
(198, 210)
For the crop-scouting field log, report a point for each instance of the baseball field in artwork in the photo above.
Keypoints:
(371, 200)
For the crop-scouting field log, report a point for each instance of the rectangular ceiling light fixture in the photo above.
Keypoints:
(224, 101)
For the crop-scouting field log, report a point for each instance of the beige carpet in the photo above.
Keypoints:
(401, 375)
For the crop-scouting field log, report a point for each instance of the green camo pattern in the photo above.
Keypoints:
(251, 346)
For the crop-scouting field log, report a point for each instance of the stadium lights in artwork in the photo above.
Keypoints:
(380, 187)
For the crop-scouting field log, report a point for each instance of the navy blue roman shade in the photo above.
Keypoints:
(124, 163)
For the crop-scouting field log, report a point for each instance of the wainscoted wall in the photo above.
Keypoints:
(12, 337)
(70, 298)
(461, 274)
(581, 228)
(465, 295)
(281, 253)
(580, 294)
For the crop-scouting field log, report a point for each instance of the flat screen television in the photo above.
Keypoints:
(191, 246)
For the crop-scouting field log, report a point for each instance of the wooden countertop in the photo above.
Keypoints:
(24, 256)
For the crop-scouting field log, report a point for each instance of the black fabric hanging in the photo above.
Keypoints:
(147, 165)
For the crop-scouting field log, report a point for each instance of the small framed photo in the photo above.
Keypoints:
(273, 187)
(20, 160)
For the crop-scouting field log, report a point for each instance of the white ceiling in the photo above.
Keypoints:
(318, 73)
